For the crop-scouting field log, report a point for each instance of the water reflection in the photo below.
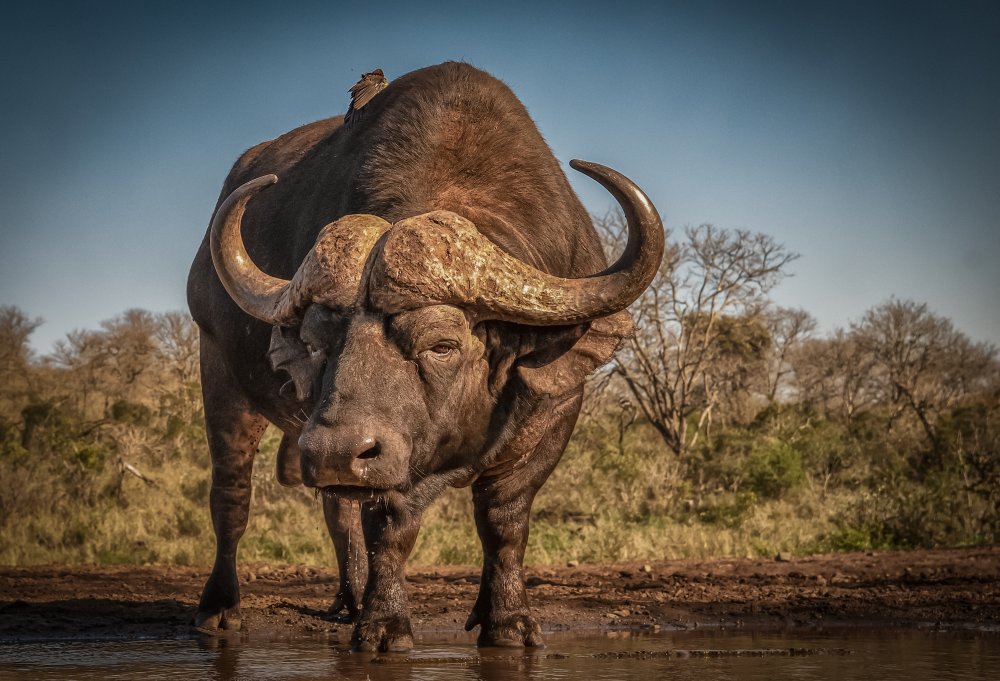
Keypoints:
(885, 655)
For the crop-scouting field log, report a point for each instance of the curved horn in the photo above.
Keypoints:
(330, 273)
(644, 250)
(256, 292)
(462, 267)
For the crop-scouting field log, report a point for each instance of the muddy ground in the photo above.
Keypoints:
(957, 588)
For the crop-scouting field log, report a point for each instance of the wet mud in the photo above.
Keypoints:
(949, 589)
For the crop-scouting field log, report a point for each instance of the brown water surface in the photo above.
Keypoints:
(843, 653)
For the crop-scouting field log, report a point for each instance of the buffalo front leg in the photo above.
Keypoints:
(502, 503)
(234, 432)
(501, 609)
(384, 622)
(343, 520)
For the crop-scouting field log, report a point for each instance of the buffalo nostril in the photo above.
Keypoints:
(368, 448)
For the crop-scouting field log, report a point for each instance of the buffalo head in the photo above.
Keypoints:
(417, 339)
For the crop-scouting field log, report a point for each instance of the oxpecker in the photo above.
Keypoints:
(363, 91)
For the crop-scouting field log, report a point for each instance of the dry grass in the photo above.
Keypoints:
(600, 505)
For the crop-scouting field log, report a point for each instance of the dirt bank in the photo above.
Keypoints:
(947, 588)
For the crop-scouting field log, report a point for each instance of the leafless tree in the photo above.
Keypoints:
(834, 375)
(111, 363)
(923, 363)
(177, 342)
(15, 358)
(788, 328)
(696, 323)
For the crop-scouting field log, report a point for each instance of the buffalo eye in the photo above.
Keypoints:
(439, 350)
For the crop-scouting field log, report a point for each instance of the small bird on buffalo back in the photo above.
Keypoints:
(363, 91)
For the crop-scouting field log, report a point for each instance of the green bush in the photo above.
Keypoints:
(773, 468)
(11, 448)
(131, 412)
(188, 525)
(730, 510)
(90, 456)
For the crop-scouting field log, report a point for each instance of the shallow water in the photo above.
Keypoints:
(856, 653)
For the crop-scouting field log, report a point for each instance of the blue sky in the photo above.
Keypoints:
(864, 136)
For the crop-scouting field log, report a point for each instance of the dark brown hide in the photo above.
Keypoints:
(386, 391)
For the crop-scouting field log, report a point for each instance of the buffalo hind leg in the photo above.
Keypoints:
(343, 520)
(384, 622)
(234, 431)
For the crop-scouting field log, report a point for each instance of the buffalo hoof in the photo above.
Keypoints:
(515, 631)
(209, 622)
(382, 634)
(341, 612)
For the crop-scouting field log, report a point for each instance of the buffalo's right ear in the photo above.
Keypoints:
(289, 354)
(301, 352)
(561, 361)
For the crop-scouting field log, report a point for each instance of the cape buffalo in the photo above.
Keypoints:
(436, 331)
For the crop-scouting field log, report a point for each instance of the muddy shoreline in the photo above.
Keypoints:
(952, 589)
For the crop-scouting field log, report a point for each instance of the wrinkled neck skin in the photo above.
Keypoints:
(435, 392)
(513, 437)
(507, 457)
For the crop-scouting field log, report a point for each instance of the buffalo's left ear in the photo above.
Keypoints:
(560, 361)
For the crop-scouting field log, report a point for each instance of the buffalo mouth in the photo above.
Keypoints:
(356, 492)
